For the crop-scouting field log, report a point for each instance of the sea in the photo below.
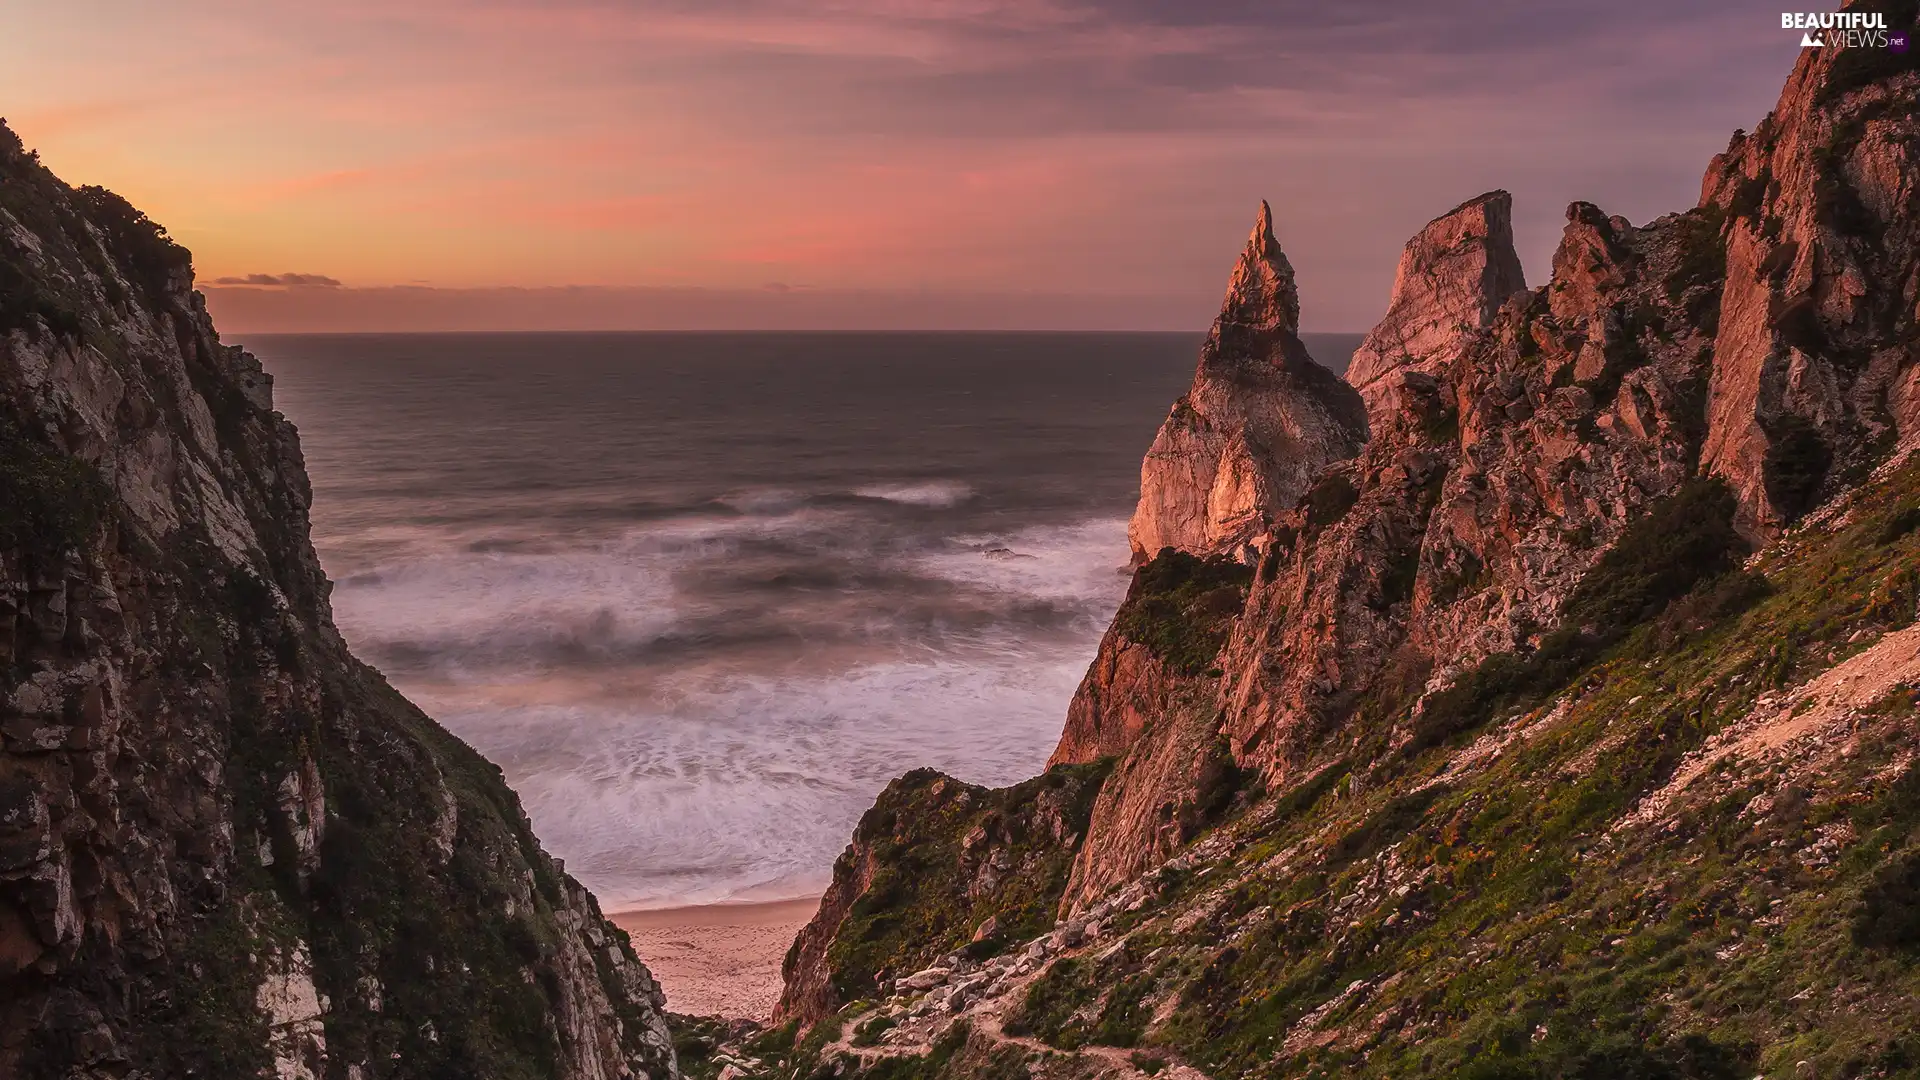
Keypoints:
(702, 595)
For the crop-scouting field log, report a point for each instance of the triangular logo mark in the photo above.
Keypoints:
(1808, 41)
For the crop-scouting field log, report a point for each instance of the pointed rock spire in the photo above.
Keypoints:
(1454, 275)
(1261, 420)
(1261, 295)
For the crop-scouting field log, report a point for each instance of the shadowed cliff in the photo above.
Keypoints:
(228, 848)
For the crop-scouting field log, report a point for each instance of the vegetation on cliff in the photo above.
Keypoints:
(1694, 858)
(938, 866)
(1180, 607)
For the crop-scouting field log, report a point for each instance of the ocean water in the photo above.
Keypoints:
(703, 595)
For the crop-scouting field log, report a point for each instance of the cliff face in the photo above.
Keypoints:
(1490, 487)
(1453, 276)
(1260, 420)
(1563, 722)
(1147, 703)
(227, 848)
(1813, 372)
(1510, 446)
(1499, 467)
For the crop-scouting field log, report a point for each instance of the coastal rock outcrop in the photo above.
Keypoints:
(938, 868)
(1513, 436)
(1452, 278)
(1490, 487)
(227, 847)
(1259, 421)
(1499, 466)
(1148, 704)
(1548, 731)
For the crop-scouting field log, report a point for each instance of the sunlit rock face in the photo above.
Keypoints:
(1260, 420)
(1765, 336)
(1453, 276)
(1513, 658)
(1814, 362)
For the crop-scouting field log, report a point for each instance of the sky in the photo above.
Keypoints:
(846, 164)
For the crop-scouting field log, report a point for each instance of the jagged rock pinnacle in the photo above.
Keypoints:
(1453, 276)
(1261, 295)
(1259, 422)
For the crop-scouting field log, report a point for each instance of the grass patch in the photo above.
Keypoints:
(1182, 607)
(1683, 540)
(1795, 465)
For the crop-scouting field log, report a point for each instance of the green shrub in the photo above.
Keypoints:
(1683, 540)
(1181, 607)
(148, 256)
(920, 904)
(1616, 1056)
(1395, 820)
(1888, 915)
(1151, 1064)
(868, 1032)
(1899, 524)
(1047, 1007)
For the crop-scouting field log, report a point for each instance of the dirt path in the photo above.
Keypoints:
(1823, 705)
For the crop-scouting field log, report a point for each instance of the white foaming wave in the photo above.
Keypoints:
(929, 493)
(763, 500)
(1083, 562)
(490, 604)
(497, 607)
(745, 787)
(710, 784)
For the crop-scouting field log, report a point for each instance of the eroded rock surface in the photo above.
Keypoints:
(1508, 752)
(937, 868)
(1813, 378)
(228, 848)
(1259, 421)
(1453, 276)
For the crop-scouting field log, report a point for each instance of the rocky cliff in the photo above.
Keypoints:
(939, 874)
(1452, 278)
(227, 848)
(1813, 371)
(1260, 420)
(1563, 728)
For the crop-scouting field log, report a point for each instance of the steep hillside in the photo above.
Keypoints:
(1564, 727)
(938, 867)
(227, 848)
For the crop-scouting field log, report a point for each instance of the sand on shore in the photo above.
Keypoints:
(718, 959)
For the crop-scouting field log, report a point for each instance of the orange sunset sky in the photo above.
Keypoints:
(856, 163)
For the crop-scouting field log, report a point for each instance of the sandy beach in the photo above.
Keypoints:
(718, 959)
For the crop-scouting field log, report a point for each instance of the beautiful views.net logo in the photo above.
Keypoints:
(1844, 30)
